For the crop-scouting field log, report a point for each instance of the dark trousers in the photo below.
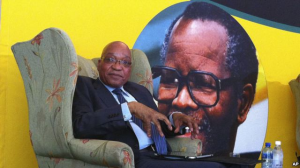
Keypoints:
(146, 159)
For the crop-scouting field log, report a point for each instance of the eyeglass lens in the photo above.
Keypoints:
(202, 87)
(112, 60)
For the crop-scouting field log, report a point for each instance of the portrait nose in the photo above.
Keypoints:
(184, 100)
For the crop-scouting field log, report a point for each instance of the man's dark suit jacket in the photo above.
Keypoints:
(97, 115)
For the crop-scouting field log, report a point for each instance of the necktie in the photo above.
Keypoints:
(160, 142)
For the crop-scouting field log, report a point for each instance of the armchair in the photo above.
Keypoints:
(49, 67)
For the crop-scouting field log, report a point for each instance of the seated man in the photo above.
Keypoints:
(111, 108)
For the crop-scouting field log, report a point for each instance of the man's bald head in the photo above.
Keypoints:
(115, 44)
(115, 64)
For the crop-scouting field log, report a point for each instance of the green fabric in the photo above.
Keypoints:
(45, 63)
(103, 152)
(87, 68)
(49, 68)
(48, 162)
(141, 70)
(185, 145)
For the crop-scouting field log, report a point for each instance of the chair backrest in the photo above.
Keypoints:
(141, 71)
(48, 65)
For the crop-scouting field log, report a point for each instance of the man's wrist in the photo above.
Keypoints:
(126, 112)
(171, 117)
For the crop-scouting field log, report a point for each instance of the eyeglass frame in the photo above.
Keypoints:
(121, 62)
(184, 79)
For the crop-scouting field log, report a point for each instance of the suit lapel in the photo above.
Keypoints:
(139, 94)
(132, 90)
(104, 94)
(108, 99)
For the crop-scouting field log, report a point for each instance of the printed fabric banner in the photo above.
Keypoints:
(227, 64)
(193, 74)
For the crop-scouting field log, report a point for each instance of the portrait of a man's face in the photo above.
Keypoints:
(209, 71)
(196, 53)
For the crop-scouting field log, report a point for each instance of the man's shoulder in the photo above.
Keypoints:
(134, 85)
(85, 79)
(132, 88)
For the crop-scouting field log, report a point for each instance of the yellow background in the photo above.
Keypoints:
(91, 24)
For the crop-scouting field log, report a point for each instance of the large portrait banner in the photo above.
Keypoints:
(204, 64)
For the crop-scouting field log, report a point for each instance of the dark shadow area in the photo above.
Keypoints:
(285, 12)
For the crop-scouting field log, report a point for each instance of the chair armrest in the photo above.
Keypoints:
(102, 152)
(185, 145)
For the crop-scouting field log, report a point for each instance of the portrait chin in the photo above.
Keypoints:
(216, 134)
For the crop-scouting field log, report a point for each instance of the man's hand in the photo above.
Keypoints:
(148, 115)
(181, 119)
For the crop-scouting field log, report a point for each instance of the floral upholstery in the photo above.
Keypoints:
(185, 145)
(87, 68)
(295, 87)
(141, 70)
(49, 67)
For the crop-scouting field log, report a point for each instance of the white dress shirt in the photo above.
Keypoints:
(143, 139)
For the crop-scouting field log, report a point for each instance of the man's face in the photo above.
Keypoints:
(114, 74)
(202, 45)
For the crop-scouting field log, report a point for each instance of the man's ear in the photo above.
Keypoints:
(245, 102)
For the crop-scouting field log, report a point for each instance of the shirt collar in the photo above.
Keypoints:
(112, 88)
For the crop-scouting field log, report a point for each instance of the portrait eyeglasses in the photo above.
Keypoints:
(111, 60)
(204, 87)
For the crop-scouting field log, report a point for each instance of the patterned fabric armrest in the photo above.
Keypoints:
(102, 152)
(185, 145)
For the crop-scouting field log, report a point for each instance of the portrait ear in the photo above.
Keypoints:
(245, 102)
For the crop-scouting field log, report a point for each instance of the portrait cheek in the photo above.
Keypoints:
(223, 116)
(226, 105)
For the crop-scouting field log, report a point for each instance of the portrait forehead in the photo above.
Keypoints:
(199, 44)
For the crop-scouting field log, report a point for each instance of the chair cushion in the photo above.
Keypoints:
(141, 70)
(87, 68)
